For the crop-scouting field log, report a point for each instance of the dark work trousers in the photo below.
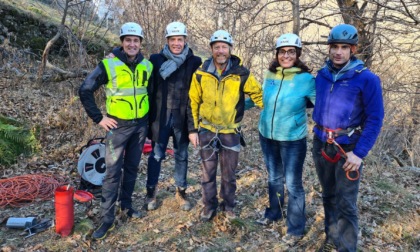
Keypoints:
(124, 147)
(228, 163)
(339, 196)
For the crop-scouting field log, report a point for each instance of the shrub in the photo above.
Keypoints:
(15, 139)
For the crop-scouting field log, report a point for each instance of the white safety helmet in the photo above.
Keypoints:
(176, 29)
(222, 36)
(131, 28)
(289, 39)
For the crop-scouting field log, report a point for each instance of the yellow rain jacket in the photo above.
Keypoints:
(218, 103)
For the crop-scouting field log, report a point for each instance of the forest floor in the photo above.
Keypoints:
(389, 199)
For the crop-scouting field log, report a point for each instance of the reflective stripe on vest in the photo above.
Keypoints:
(126, 92)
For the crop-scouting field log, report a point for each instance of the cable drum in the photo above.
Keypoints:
(91, 165)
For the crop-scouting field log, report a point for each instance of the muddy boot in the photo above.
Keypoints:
(151, 203)
(207, 215)
(181, 197)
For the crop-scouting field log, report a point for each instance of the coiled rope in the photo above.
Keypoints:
(21, 190)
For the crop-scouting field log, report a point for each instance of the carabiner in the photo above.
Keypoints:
(352, 178)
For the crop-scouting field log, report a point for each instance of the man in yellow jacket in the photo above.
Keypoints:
(126, 78)
(216, 109)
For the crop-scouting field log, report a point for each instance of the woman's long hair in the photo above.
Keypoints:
(298, 63)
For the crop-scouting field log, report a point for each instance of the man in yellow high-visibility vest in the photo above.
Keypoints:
(126, 78)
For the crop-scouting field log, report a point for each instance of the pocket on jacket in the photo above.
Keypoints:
(300, 119)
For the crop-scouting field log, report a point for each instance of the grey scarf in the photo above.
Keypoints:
(173, 62)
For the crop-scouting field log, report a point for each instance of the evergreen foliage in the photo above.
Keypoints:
(15, 139)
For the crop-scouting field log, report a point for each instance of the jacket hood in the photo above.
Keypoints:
(352, 65)
(119, 53)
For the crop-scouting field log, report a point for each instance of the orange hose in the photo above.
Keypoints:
(21, 190)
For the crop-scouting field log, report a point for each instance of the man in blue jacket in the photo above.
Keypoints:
(348, 114)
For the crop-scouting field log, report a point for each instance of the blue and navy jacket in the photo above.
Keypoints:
(285, 95)
(349, 98)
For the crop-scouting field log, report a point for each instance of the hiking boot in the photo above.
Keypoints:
(181, 197)
(200, 202)
(291, 240)
(265, 221)
(326, 247)
(131, 213)
(230, 215)
(151, 203)
(207, 215)
(103, 230)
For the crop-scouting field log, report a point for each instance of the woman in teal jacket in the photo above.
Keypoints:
(287, 89)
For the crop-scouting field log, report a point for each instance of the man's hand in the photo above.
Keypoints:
(110, 56)
(353, 162)
(108, 123)
(194, 139)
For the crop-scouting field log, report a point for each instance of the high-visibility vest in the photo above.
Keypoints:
(126, 91)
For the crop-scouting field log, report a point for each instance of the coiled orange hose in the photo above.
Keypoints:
(21, 190)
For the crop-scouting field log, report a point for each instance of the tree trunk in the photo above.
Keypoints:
(352, 14)
(45, 54)
(296, 18)
(415, 108)
(51, 42)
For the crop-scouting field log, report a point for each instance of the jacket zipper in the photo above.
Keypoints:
(134, 87)
(223, 87)
(331, 90)
(133, 77)
(275, 104)
(217, 89)
(335, 77)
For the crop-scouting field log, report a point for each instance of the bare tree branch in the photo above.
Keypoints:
(409, 13)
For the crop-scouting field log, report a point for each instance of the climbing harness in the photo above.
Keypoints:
(215, 143)
(331, 135)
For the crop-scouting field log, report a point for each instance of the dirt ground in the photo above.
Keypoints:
(388, 203)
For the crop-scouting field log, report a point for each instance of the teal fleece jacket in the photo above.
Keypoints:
(285, 95)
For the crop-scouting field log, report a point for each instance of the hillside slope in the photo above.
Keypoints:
(389, 199)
